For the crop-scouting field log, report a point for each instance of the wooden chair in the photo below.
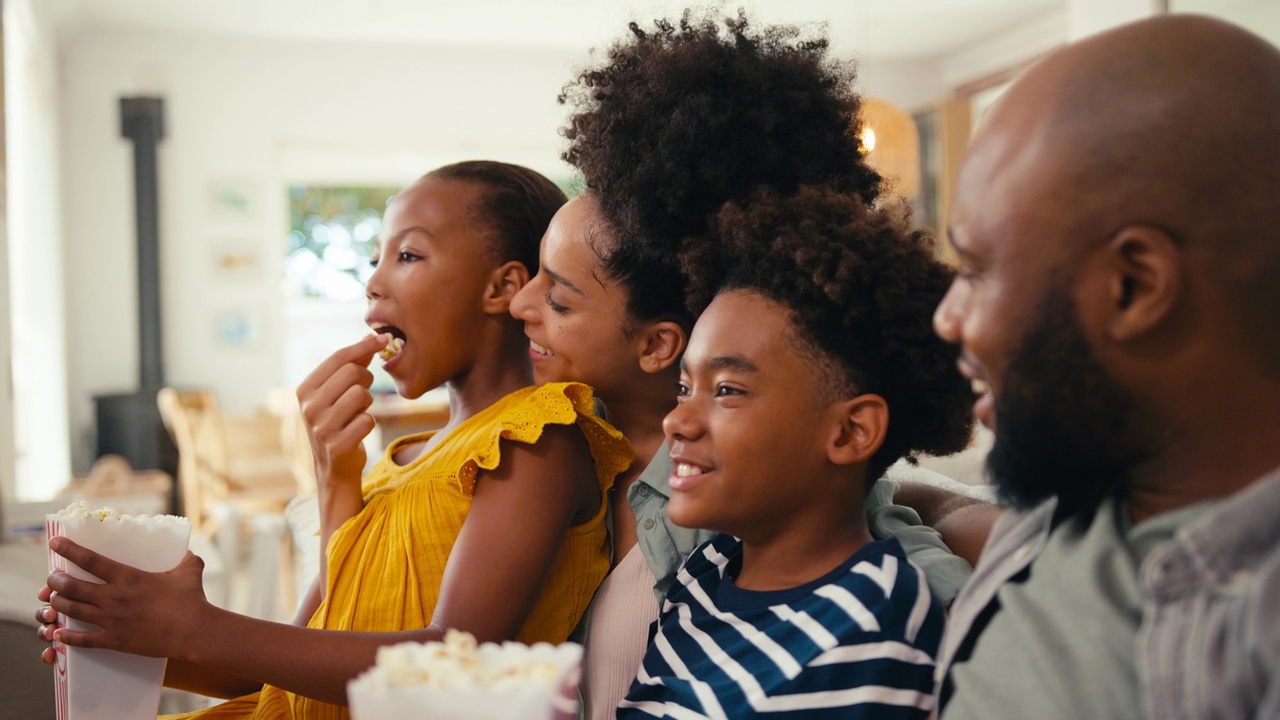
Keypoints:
(225, 459)
(283, 403)
(234, 474)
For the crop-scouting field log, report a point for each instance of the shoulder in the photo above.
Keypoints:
(885, 594)
(525, 415)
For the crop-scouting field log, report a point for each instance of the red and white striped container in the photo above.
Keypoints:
(95, 684)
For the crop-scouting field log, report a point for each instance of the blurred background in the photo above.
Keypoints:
(191, 190)
(282, 126)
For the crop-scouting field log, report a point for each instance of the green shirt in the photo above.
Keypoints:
(1062, 642)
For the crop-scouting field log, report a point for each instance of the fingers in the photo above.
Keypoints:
(347, 423)
(49, 656)
(359, 354)
(46, 616)
(334, 398)
(77, 638)
(91, 562)
(75, 598)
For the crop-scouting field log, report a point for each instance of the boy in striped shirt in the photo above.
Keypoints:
(815, 330)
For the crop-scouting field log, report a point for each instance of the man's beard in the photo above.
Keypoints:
(1064, 427)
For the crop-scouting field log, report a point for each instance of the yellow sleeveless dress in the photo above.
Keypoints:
(386, 563)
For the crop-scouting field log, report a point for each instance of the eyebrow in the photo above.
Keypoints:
(562, 280)
(377, 244)
(726, 362)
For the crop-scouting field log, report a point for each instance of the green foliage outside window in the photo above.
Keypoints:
(332, 231)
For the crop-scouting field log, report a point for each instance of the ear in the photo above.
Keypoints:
(663, 344)
(861, 425)
(504, 283)
(1143, 270)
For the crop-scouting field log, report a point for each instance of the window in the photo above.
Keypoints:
(332, 231)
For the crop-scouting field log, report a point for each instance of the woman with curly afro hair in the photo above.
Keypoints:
(677, 120)
(812, 368)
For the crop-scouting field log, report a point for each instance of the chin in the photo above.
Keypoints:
(409, 392)
(683, 515)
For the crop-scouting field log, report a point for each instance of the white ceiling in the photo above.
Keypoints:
(879, 28)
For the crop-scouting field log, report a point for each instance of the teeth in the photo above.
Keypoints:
(541, 350)
(685, 470)
(980, 387)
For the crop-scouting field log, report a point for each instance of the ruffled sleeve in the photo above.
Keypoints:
(522, 417)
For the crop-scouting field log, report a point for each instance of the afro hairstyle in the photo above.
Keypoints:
(861, 288)
(692, 114)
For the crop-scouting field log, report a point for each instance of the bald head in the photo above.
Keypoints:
(1174, 123)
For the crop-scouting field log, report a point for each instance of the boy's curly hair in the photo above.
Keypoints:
(861, 287)
(696, 113)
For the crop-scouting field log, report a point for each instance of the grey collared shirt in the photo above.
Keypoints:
(1208, 639)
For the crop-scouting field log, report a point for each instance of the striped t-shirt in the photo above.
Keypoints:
(858, 642)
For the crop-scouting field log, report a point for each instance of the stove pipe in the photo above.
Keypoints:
(142, 121)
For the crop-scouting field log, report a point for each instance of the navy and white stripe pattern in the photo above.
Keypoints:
(858, 642)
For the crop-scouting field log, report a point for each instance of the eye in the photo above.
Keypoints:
(407, 257)
(682, 391)
(727, 391)
(966, 275)
(373, 262)
(555, 306)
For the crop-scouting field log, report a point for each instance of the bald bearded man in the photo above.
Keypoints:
(1117, 224)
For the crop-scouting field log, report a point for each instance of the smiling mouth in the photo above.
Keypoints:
(980, 387)
(687, 470)
(541, 349)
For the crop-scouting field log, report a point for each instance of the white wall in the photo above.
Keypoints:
(259, 114)
(910, 84)
(1087, 17)
(262, 114)
(1004, 49)
(1259, 16)
(35, 255)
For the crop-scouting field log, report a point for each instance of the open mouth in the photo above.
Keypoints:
(541, 349)
(398, 339)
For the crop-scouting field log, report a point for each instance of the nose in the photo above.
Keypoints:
(522, 305)
(374, 287)
(683, 422)
(948, 316)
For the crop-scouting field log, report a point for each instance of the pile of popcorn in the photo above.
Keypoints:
(80, 511)
(458, 663)
(459, 679)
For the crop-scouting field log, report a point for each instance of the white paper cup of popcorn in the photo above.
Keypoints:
(96, 684)
(460, 680)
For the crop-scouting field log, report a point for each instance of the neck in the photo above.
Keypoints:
(502, 369)
(1223, 441)
(801, 544)
(793, 559)
(637, 412)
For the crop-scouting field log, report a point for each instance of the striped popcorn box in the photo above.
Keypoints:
(459, 680)
(95, 684)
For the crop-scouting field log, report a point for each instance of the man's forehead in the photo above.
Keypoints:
(1013, 176)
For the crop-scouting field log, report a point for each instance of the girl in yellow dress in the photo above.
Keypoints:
(493, 524)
